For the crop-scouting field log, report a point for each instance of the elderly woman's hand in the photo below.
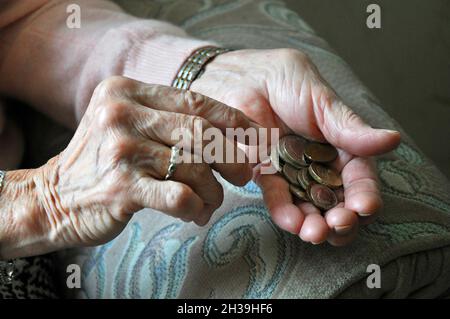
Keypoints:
(115, 165)
(282, 88)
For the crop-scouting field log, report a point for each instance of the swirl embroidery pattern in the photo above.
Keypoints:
(404, 178)
(247, 232)
(153, 270)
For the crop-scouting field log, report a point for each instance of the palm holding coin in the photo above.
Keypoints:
(301, 164)
(283, 89)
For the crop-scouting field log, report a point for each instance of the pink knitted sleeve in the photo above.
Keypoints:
(56, 68)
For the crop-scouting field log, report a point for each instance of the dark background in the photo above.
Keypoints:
(406, 64)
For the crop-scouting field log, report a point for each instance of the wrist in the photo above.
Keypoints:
(158, 61)
(25, 226)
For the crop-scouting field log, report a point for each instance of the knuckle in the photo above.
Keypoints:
(113, 86)
(122, 148)
(290, 54)
(195, 122)
(115, 82)
(349, 116)
(179, 197)
(200, 171)
(194, 101)
(235, 118)
(113, 113)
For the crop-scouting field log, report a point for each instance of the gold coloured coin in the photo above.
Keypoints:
(275, 159)
(303, 178)
(290, 173)
(299, 193)
(325, 175)
(291, 150)
(322, 153)
(322, 196)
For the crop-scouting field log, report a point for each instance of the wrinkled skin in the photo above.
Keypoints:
(115, 166)
(118, 157)
(282, 88)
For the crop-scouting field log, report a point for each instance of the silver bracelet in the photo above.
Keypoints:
(194, 66)
(7, 268)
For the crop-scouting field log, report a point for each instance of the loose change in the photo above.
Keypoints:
(305, 165)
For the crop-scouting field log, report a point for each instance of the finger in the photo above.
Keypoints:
(361, 190)
(346, 130)
(342, 222)
(173, 198)
(201, 179)
(341, 160)
(314, 228)
(278, 200)
(223, 155)
(340, 195)
(338, 240)
(153, 158)
(169, 99)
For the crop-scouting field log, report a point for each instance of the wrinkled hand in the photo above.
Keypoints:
(282, 88)
(117, 160)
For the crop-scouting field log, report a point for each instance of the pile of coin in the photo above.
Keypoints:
(304, 165)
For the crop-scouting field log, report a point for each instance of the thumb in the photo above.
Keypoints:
(346, 130)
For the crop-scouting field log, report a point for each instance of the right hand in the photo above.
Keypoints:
(116, 163)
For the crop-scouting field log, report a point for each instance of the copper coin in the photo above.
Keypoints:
(325, 175)
(290, 173)
(322, 153)
(275, 159)
(282, 153)
(322, 197)
(299, 193)
(291, 150)
(303, 178)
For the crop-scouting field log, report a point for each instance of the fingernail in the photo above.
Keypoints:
(364, 214)
(390, 131)
(315, 244)
(343, 230)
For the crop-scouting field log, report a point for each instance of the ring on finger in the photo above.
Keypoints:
(173, 161)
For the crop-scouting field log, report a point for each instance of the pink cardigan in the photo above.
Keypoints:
(55, 68)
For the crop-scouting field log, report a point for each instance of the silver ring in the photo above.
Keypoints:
(173, 161)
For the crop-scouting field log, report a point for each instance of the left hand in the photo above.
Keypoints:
(282, 88)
